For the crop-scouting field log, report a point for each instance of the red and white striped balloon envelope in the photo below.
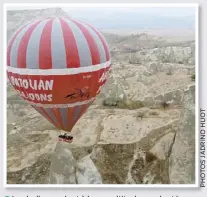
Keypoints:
(58, 65)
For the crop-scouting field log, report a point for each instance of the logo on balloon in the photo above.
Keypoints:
(79, 93)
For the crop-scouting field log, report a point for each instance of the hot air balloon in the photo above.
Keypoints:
(58, 65)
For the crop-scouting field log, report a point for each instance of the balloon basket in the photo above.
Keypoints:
(65, 138)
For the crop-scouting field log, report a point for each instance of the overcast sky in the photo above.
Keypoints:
(132, 17)
(136, 17)
(162, 11)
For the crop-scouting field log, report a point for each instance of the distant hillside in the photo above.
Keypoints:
(17, 18)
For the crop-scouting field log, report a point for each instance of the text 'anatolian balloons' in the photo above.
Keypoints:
(58, 65)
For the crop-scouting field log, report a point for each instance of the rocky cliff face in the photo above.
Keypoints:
(182, 160)
(140, 129)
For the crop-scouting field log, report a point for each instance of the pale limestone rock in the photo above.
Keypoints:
(62, 169)
(182, 159)
(163, 147)
(87, 172)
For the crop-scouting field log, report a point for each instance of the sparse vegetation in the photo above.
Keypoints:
(22, 113)
(193, 77)
(130, 104)
(122, 104)
(153, 113)
(180, 62)
(132, 50)
(150, 157)
(164, 104)
(109, 102)
(134, 60)
(170, 70)
(166, 57)
(140, 115)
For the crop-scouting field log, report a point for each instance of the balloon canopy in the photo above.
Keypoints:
(58, 65)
